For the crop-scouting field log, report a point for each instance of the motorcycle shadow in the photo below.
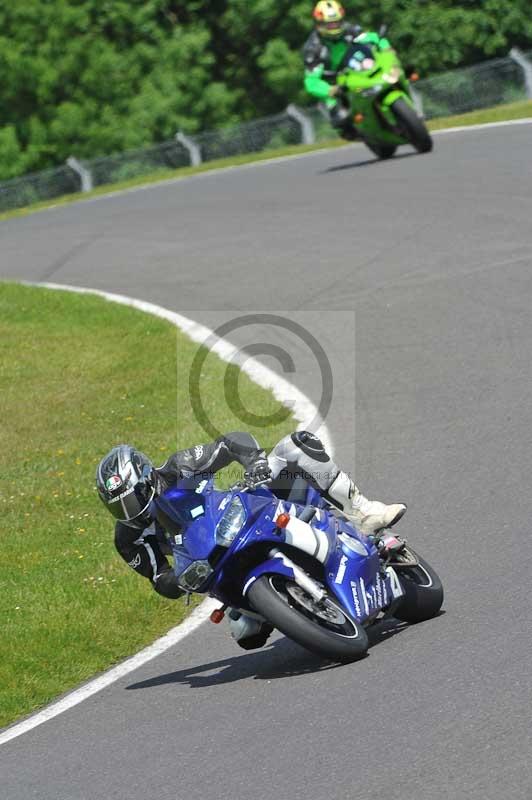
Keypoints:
(367, 162)
(280, 659)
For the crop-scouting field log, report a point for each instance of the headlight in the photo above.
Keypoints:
(194, 576)
(231, 523)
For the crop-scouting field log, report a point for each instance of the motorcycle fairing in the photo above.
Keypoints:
(354, 574)
(361, 593)
(351, 565)
(374, 97)
(275, 565)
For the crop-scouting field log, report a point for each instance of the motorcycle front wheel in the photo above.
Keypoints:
(323, 628)
(381, 150)
(422, 586)
(412, 126)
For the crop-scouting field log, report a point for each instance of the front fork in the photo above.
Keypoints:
(383, 106)
(309, 585)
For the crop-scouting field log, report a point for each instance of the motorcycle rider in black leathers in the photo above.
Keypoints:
(127, 482)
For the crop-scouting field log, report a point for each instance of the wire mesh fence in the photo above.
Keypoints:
(29, 189)
(489, 84)
(250, 137)
(136, 163)
(494, 83)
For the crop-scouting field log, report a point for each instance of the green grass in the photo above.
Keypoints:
(80, 374)
(520, 110)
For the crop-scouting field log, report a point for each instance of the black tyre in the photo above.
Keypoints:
(412, 127)
(423, 588)
(382, 150)
(322, 628)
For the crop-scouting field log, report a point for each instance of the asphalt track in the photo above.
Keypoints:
(433, 254)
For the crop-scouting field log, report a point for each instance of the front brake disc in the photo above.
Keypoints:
(324, 609)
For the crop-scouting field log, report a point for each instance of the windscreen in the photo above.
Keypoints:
(180, 505)
(361, 58)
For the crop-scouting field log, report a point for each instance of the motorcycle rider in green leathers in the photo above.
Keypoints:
(325, 54)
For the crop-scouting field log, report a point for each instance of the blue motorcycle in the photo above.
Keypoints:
(297, 564)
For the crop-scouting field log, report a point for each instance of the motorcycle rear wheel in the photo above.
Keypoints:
(323, 628)
(413, 127)
(422, 586)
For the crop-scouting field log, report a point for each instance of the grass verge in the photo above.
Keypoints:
(80, 374)
(519, 110)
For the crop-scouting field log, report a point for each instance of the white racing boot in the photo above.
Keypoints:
(368, 516)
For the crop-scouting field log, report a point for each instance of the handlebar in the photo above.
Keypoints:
(246, 486)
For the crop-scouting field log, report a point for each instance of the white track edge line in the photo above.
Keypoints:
(483, 125)
(302, 409)
(198, 616)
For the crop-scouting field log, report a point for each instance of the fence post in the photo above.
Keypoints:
(308, 135)
(193, 148)
(417, 100)
(85, 174)
(519, 57)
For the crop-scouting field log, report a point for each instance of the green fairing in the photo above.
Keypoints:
(376, 107)
(379, 98)
(314, 82)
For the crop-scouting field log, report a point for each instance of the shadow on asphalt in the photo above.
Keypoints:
(366, 163)
(282, 659)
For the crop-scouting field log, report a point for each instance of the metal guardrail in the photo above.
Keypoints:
(492, 83)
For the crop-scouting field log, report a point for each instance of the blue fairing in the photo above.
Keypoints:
(346, 561)
(353, 569)
(272, 566)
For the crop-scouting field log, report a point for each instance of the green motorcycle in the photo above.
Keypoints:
(377, 94)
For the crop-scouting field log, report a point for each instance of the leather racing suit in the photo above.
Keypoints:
(324, 60)
(299, 455)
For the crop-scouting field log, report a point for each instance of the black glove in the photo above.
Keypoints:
(258, 472)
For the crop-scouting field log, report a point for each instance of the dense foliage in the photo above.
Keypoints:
(97, 76)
